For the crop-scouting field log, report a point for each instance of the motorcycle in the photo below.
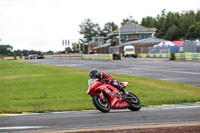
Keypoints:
(106, 97)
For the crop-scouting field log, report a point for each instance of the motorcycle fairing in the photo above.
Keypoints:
(115, 102)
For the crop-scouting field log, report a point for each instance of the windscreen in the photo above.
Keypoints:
(90, 82)
(129, 49)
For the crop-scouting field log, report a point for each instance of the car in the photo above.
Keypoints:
(129, 51)
(34, 56)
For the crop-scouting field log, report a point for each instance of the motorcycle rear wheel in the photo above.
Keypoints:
(133, 101)
(103, 106)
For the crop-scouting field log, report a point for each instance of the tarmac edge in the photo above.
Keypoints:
(114, 128)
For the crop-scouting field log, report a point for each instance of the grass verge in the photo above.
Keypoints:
(27, 87)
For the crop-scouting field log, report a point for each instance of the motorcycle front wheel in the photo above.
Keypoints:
(102, 105)
(133, 101)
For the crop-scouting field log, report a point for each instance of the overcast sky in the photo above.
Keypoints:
(43, 24)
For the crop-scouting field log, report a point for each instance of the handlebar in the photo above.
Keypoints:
(104, 81)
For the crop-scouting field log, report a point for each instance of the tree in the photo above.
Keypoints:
(171, 29)
(198, 16)
(174, 26)
(193, 31)
(68, 50)
(186, 21)
(172, 33)
(160, 25)
(89, 29)
(49, 52)
(5, 50)
(86, 49)
(127, 20)
(149, 22)
(109, 27)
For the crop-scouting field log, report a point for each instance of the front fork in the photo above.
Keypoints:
(124, 94)
(123, 90)
(101, 96)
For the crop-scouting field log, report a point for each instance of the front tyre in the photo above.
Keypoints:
(133, 101)
(103, 106)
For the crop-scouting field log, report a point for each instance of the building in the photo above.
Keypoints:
(96, 41)
(128, 32)
(131, 32)
(142, 45)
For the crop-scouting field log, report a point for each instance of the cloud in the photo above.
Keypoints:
(43, 24)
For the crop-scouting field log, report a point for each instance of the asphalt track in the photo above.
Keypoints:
(69, 121)
(158, 68)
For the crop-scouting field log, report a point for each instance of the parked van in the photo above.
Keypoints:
(129, 51)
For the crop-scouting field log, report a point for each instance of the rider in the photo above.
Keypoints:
(102, 76)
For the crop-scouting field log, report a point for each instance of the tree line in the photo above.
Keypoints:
(7, 50)
(169, 26)
(175, 25)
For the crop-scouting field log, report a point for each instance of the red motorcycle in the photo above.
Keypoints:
(106, 97)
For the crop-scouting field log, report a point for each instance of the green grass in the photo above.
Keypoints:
(26, 87)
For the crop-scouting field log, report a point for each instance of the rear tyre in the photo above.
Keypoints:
(133, 101)
(103, 106)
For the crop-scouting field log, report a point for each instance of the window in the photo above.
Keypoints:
(98, 40)
(125, 36)
(142, 36)
(95, 40)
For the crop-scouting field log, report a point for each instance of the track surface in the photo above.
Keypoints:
(96, 119)
(158, 68)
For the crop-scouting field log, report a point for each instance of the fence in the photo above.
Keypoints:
(113, 50)
(97, 56)
(67, 56)
(12, 57)
(48, 56)
(82, 56)
(191, 46)
(162, 49)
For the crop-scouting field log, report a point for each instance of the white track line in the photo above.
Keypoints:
(20, 127)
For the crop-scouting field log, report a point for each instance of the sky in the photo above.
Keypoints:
(43, 24)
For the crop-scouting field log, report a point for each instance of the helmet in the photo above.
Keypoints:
(94, 74)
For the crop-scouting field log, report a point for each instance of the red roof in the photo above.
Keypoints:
(35, 55)
(178, 43)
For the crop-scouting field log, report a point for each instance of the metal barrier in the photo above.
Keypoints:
(176, 56)
(81, 56)
(187, 56)
(48, 56)
(191, 46)
(97, 56)
(67, 56)
(153, 55)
